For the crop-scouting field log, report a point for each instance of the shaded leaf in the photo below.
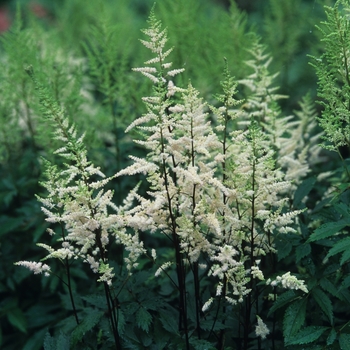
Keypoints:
(345, 283)
(345, 257)
(143, 319)
(331, 337)
(343, 244)
(9, 224)
(17, 319)
(49, 342)
(200, 344)
(282, 300)
(306, 335)
(283, 249)
(294, 318)
(324, 303)
(302, 250)
(344, 341)
(329, 287)
(169, 323)
(328, 229)
(63, 342)
(303, 190)
(86, 325)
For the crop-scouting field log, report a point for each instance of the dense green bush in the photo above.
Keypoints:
(184, 201)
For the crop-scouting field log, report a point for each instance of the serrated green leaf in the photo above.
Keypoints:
(200, 344)
(345, 257)
(294, 318)
(143, 319)
(342, 208)
(49, 342)
(97, 300)
(328, 229)
(302, 250)
(169, 323)
(331, 269)
(146, 340)
(282, 300)
(343, 244)
(324, 303)
(331, 337)
(161, 337)
(63, 342)
(329, 287)
(131, 308)
(344, 341)
(152, 303)
(303, 190)
(306, 335)
(283, 249)
(344, 295)
(86, 325)
(345, 283)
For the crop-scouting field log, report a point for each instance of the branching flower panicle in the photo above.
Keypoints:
(77, 200)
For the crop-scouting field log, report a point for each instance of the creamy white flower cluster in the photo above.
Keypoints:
(288, 281)
(216, 190)
(36, 267)
(261, 330)
(78, 202)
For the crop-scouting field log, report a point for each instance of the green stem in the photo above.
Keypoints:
(69, 285)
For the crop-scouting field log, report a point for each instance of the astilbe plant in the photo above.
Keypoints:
(293, 137)
(221, 178)
(78, 203)
(215, 193)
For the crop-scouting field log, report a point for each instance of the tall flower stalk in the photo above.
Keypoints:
(79, 204)
(215, 192)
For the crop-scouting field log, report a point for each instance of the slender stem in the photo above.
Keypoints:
(224, 201)
(69, 285)
(178, 256)
(248, 302)
(112, 316)
(221, 343)
(195, 269)
(197, 297)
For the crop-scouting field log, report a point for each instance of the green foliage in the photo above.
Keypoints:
(294, 318)
(224, 225)
(306, 335)
(332, 71)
